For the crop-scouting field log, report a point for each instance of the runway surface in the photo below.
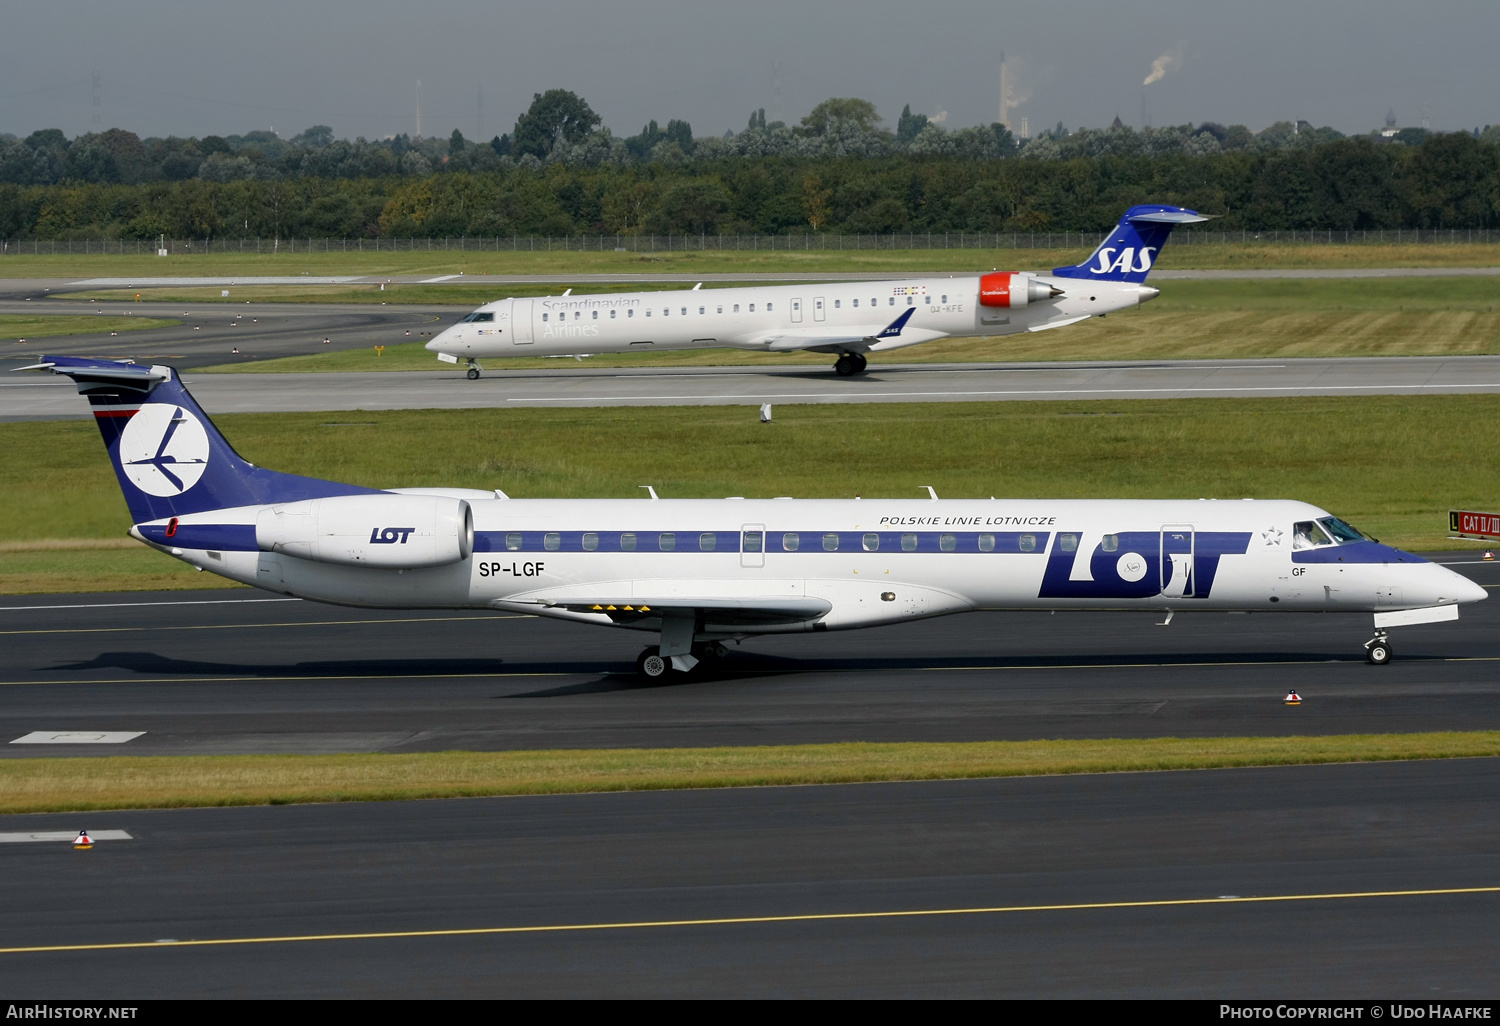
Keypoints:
(1172, 863)
(39, 397)
(229, 672)
(638, 894)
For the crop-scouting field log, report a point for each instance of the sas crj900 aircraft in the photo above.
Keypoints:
(698, 572)
(846, 319)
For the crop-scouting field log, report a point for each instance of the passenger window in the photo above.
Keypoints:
(1111, 543)
(948, 542)
(986, 543)
(552, 541)
(768, 308)
(752, 307)
(667, 542)
(908, 543)
(1067, 542)
(706, 541)
(945, 299)
(596, 315)
(790, 540)
(1308, 535)
(796, 304)
(856, 302)
(627, 541)
(701, 309)
(836, 303)
(910, 301)
(629, 313)
(590, 542)
(736, 308)
(872, 542)
(830, 542)
(578, 315)
(667, 312)
(1028, 543)
(927, 300)
(874, 302)
(648, 313)
(684, 311)
(721, 309)
(544, 317)
(752, 541)
(893, 301)
(513, 541)
(612, 315)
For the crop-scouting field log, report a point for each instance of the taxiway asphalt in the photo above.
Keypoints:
(1281, 882)
(39, 397)
(240, 672)
(1296, 882)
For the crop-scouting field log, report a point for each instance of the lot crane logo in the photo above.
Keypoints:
(164, 449)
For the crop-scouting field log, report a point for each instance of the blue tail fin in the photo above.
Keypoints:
(1131, 249)
(170, 459)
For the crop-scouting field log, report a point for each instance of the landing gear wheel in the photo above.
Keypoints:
(846, 366)
(473, 373)
(859, 362)
(1378, 652)
(651, 664)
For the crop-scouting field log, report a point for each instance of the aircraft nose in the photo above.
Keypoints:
(432, 346)
(1146, 293)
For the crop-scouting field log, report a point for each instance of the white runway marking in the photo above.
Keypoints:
(122, 605)
(78, 737)
(65, 836)
(441, 277)
(1168, 390)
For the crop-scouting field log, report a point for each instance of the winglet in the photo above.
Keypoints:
(894, 328)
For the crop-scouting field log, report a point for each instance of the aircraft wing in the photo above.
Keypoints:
(834, 340)
(726, 612)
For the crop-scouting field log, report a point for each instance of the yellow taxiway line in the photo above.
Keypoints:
(814, 917)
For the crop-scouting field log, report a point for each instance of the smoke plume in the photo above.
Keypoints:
(1165, 64)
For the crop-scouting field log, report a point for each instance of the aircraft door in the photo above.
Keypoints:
(818, 311)
(753, 545)
(797, 310)
(1177, 561)
(520, 322)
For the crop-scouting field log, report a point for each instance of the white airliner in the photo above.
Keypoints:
(847, 319)
(700, 572)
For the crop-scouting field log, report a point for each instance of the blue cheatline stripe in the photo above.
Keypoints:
(773, 541)
(1355, 552)
(221, 537)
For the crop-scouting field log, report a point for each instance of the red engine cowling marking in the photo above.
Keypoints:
(994, 289)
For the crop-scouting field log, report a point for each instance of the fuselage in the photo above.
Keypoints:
(865, 562)
(832, 317)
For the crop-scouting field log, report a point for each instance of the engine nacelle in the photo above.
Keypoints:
(394, 532)
(1006, 288)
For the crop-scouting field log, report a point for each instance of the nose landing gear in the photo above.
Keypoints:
(1378, 649)
(473, 369)
(850, 364)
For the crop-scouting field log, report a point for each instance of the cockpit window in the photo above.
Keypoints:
(487, 317)
(1342, 532)
(1308, 535)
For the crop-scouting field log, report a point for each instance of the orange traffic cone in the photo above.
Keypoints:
(1292, 698)
(82, 840)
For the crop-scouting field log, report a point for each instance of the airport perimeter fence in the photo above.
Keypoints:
(750, 243)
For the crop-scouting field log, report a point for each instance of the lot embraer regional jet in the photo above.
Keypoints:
(697, 573)
(846, 319)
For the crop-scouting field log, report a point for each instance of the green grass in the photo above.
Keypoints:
(126, 782)
(712, 261)
(1392, 464)
(24, 327)
(1190, 320)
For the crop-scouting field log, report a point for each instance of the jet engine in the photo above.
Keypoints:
(1006, 288)
(393, 532)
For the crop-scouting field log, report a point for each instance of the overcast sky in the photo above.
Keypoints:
(203, 67)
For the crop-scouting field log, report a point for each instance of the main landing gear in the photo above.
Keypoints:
(1378, 649)
(652, 665)
(473, 369)
(850, 364)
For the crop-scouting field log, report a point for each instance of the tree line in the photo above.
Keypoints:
(560, 173)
